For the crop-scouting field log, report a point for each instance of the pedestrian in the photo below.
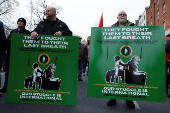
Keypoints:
(122, 21)
(80, 62)
(87, 53)
(167, 55)
(21, 29)
(51, 25)
(2, 44)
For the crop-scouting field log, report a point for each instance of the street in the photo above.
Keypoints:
(84, 104)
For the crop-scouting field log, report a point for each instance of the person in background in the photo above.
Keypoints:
(21, 29)
(2, 44)
(81, 58)
(87, 53)
(167, 55)
(122, 21)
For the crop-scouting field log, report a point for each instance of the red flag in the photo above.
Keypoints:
(101, 21)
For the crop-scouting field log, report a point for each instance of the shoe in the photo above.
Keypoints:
(80, 79)
(4, 89)
(111, 102)
(130, 104)
(0, 94)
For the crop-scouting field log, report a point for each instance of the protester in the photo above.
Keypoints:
(122, 21)
(51, 25)
(87, 53)
(80, 63)
(2, 44)
(21, 29)
(167, 54)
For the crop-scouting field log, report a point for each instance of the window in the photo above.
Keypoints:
(144, 24)
(164, 24)
(151, 9)
(157, 2)
(147, 15)
(157, 15)
(144, 17)
(148, 23)
(163, 8)
(151, 20)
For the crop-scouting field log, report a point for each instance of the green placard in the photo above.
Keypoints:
(127, 63)
(43, 71)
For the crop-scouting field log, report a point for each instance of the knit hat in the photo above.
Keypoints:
(22, 20)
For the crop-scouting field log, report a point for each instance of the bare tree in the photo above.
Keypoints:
(84, 42)
(7, 8)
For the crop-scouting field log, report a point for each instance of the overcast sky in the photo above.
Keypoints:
(81, 15)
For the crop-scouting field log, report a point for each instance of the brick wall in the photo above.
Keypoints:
(154, 15)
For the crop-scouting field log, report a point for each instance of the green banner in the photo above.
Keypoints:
(127, 63)
(43, 71)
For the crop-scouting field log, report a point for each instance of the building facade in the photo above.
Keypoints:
(158, 14)
(142, 19)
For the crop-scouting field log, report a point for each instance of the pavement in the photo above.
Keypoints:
(84, 104)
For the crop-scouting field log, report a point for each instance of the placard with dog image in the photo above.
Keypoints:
(39, 69)
(127, 63)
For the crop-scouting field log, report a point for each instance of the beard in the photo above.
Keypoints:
(122, 21)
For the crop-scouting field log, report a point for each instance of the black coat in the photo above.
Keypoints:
(81, 52)
(48, 27)
(9, 37)
(85, 52)
(167, 46)
(2, 37)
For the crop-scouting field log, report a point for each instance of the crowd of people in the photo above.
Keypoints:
(53, 26)
(50, 26)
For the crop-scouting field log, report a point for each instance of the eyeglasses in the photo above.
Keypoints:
(122, 15)
(47, 10)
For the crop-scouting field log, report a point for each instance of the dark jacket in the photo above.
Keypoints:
(2, 38)
(9, 37)
(167, 50)
(48, 27)
(86, 52)
(81, 52)
(128, 23)
(167, 46)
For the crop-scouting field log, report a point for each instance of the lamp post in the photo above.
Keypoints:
(31, 18)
